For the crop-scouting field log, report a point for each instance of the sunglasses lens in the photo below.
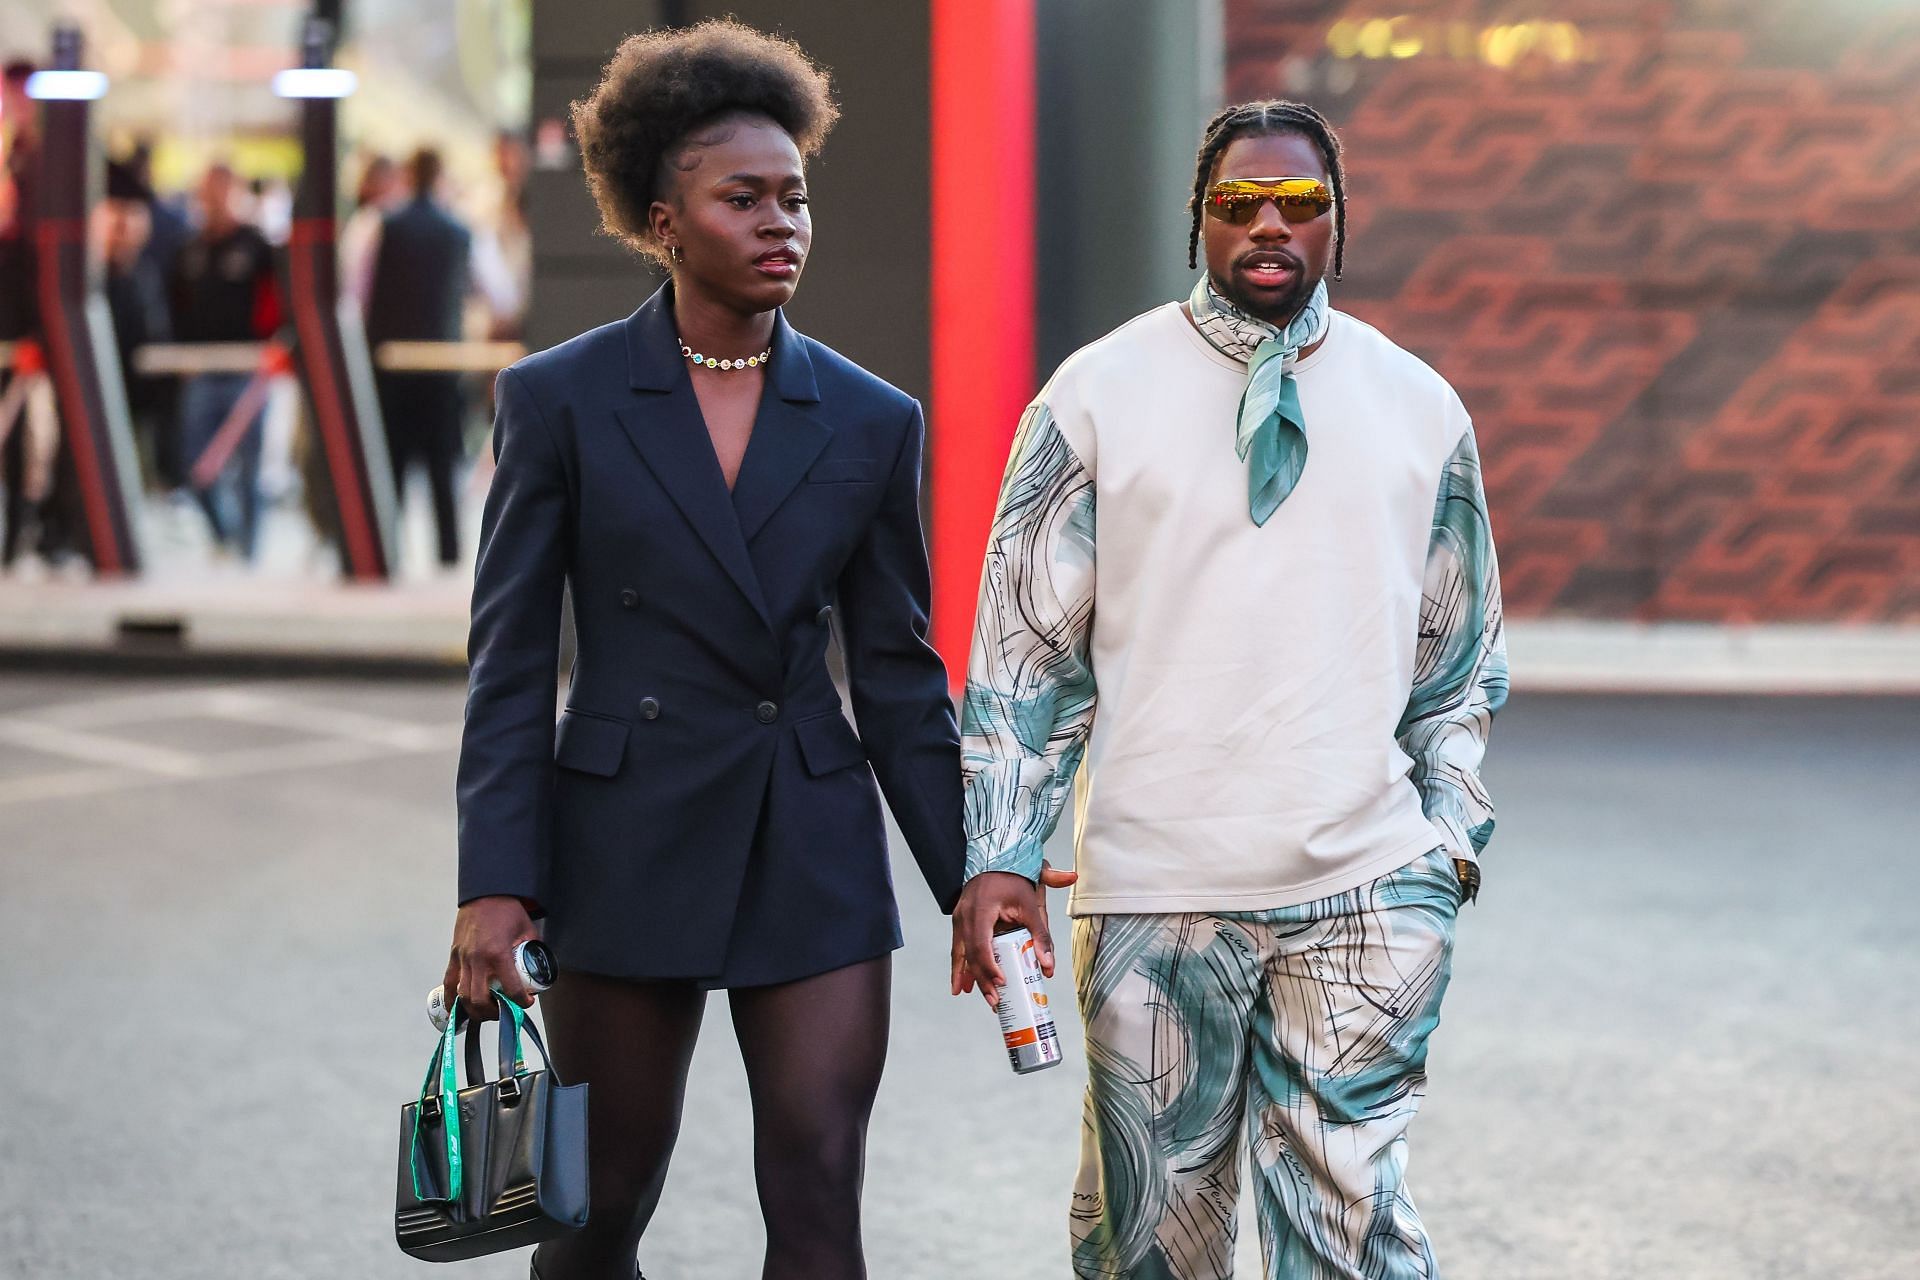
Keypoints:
(1235, 207)
(1298, 199)
(1305, 207)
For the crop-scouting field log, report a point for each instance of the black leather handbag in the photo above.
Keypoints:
(497, 1165)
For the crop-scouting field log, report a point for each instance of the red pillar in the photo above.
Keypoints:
(983, 304)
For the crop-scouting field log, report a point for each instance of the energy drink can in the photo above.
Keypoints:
(1026, 1020)
(531, 958)
(535, 963)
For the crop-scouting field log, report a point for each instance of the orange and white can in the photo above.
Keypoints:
(1026, 1019)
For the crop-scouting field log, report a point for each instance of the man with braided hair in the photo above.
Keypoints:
(1241, 572)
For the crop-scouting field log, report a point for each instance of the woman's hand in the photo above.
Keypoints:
(991, 899)
(484, 935)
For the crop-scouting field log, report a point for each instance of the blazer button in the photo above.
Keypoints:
(649, 708)
(629, 598)
(766, 713)
(825, 615)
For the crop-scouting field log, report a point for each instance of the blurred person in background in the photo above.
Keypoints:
(31, 430)
(503, 248)
(28, 458)
(169, 229)
(378, 193)
(20, 125)
(1242, 574)
(19, 310)
(19, 131)
(19, 303)
(171, 226)
(422, 271)
(269, 206)
(137, 300)
(223, 288)
(379, 184)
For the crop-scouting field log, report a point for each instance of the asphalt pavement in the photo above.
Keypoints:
(1681, 1039)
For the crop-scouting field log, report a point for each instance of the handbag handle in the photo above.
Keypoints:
(512, 1046)
(445, 1102)
(444, 1105)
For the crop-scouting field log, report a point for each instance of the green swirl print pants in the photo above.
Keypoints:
(1305, 1029)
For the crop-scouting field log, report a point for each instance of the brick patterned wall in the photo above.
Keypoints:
(1669, 253)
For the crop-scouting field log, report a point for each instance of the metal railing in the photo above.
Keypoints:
(265, 361)
(395, 357)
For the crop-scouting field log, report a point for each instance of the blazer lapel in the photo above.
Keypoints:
(787, 437)
(666, 428)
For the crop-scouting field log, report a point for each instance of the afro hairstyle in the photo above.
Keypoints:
(662, 87)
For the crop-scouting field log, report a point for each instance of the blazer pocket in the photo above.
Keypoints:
(845, 471)
(828, 743)
(590, 743)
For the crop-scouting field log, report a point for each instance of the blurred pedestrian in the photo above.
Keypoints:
(19, 314)
(503, 245)
(421, 275)
(224, 289)
(269, 207)
(378, 193)
(25, 468)
(171, 227)
(137, 301)
(19, 164)
(20, 132)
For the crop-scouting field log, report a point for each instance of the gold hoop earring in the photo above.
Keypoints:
(674, 252)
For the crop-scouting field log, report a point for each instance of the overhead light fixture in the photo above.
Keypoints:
(67, 86)
(315, 82)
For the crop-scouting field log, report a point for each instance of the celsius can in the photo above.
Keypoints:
(1033, 1044)
(531, 958)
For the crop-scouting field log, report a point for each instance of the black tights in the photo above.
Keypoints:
(813, 1051)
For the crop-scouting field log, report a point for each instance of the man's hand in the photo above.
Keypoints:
(991, 899)
(484, 935)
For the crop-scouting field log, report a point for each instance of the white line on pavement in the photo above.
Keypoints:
(71, 784)
(132, 708)
(98, 749)
(286, 714)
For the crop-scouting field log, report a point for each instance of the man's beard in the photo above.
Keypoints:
(1276, 314)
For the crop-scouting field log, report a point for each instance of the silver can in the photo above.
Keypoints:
(1026, 1019)
(532, 958)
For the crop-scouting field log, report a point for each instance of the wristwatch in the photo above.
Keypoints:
(1469, 873)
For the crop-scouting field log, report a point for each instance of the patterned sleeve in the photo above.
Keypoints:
(1029, 698)
(1460, 667)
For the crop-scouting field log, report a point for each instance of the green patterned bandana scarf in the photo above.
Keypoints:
(1270, 436)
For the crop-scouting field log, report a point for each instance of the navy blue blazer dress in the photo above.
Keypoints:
(703, 810)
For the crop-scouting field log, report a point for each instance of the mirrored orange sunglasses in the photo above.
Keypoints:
(1236, 200)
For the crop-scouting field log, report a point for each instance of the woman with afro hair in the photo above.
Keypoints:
(721, 495)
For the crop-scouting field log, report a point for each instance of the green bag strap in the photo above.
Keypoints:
(518, 1056)
(446, 1066)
